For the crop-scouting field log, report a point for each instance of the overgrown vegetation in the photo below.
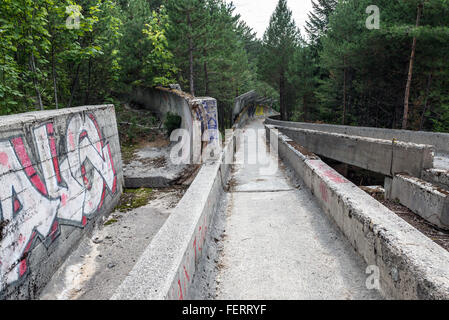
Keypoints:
(339, 72)
(396, 76)
(172, 122)
(134, 198)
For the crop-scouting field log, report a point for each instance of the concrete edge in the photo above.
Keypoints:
(47, 114)
(411, 265)
(437, 139)
(400, 151)
(166, 268)
(423, 198)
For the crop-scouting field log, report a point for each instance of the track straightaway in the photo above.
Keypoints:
(278, 243)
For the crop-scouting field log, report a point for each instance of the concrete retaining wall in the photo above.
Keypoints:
(166, 268)
(423, 198)
(439, 177)
(192, 110)
(60, 171)
(382, 156)
(411, 265)
(439, 140)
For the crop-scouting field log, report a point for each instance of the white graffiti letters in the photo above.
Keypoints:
(59, 187)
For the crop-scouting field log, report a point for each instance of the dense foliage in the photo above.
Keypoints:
(393, 76)
(63, 53)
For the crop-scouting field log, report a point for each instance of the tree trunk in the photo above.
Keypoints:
(429, 83)
(206, 78)
(33, 70)
(304, 107)
(192, 84)
(53, 71)
(282, 97)
(74, 86)
(344, 92)
(410, 73)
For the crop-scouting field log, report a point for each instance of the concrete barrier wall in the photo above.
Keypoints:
(60, 171)
(424, 198)
(250, 113)
(201, 112)
(439, 140)
(411, 265)
(162, 100)
(382, 156)
(166, 269)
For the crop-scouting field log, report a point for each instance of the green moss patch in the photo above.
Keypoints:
(134, 198)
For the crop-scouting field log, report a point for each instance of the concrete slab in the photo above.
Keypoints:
(279, 244)
(411, 266)
(102, 261)
(387, 157)
(152, 168)
(423, 198)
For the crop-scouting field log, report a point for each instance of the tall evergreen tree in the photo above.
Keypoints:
(279, 43)
(318, 22)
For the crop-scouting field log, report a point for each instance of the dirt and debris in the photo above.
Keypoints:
(437, 235)
(3, 225)
(103, 260)
(156, 139)
(134, 198)
(303, 150)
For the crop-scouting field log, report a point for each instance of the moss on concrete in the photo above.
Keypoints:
(134, 198)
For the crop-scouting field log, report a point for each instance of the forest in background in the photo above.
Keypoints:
(340, 71)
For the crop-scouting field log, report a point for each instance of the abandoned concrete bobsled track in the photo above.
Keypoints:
(302, 231)
(264, 219)
(278, 243)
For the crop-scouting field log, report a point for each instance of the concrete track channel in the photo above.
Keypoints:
(276, 242)
(269, 239)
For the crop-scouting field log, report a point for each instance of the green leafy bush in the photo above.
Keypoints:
(172, 122)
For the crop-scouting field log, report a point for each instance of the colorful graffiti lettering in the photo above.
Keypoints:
(64, 184)
(210, 107)
(191, 259)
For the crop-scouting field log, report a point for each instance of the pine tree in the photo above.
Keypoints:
(279, 43)
(190, 19)
(318, 21)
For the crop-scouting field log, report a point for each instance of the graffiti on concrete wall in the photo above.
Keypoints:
(179, 290)
(210, 107)
(206, 113)
(258, 111)
(61, 182)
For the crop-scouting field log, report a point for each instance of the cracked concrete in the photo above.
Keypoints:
(101, 262)
(278, 244)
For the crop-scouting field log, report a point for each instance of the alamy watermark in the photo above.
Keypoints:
(73, 21)
(373, 21)
(373, 280)
(192, 147)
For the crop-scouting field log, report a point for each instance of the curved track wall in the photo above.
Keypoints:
(60, 172)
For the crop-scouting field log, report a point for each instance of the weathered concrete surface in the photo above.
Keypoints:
(382, 156)
(199, 114)
(278, 243)
(60, 171)
(161, 101)
(423, 198)
(411, 265)
(166, 269)
(102, 261)
(152, 168)
(248, 107)
(439, 177)
(437, 139)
